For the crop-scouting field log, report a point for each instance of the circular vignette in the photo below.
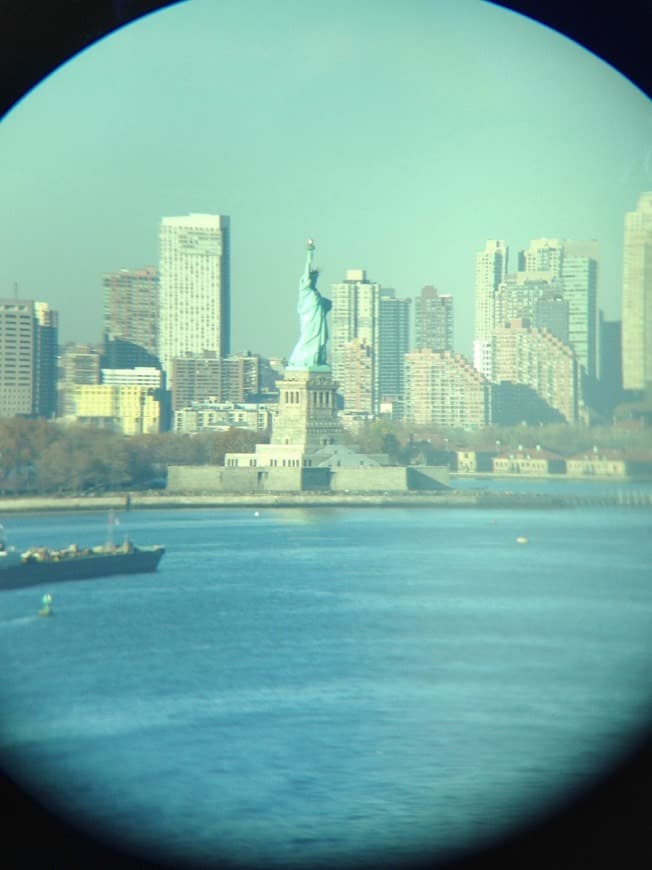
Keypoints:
(605, 827)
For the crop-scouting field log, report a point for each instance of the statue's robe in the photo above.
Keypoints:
(312, 307)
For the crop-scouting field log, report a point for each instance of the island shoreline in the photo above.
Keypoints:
(129, 501)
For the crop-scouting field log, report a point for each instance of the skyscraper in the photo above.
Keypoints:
(519, 294)
(47, 349)
(355, 314)
(28, 358)
(637, 296)
(393, 343)
(490, 272)
(195, 286)
(611, 370)
(543, 255)
(17, 352)
(131, 317)
(580, 278)
(575, 265)
(551, 313)
(433, 320)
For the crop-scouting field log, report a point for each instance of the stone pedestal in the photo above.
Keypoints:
(307, 415)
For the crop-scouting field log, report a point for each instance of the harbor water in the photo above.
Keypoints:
(300, 686)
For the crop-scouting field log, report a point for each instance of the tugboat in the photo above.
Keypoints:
(45, 565)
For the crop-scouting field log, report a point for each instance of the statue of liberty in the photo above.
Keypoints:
(310, 350)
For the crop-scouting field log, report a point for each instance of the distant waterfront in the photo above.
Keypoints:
(467, 491)
(554, 484)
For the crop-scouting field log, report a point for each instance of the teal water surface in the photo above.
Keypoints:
(296, 686)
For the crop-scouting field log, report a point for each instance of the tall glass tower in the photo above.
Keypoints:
(393, 343)
(195, 286)
(580, 279)
(637, 296)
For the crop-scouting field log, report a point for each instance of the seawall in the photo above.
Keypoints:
(446, 499)
(149, 501)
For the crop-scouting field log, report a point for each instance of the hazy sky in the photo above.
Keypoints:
(400, 136)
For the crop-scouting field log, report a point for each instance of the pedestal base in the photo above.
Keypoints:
(307, 414)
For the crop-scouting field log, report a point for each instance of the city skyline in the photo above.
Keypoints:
(400, 138)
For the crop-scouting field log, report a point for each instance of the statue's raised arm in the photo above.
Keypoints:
(310, 351)
(305, 281)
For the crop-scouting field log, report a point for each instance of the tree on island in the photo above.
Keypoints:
(38, 456)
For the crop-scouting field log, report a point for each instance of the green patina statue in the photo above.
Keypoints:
(310, 350)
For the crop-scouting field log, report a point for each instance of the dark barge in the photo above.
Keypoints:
(44, 565)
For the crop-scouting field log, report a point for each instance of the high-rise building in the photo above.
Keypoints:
(490, 272)
(637, 296)
(536, 296)
(551, 313)
(611, 371)
(357, 381)
(580, 280)
(131, 316)
(17, 352)
(433, 320)
(444, 389)
(196, 377)
(575, 265)
(517, 296)
(525, 355)
(28, 358)
(355, 314)
(79, 364)
(240, 377)
(202, 376)
(195, 289)
(543, 255)
(47, 349)
(393, 343)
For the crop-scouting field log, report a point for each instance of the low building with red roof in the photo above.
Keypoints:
(532, 461)
(609, 463)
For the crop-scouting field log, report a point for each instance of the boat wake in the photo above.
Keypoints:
(16, 621)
